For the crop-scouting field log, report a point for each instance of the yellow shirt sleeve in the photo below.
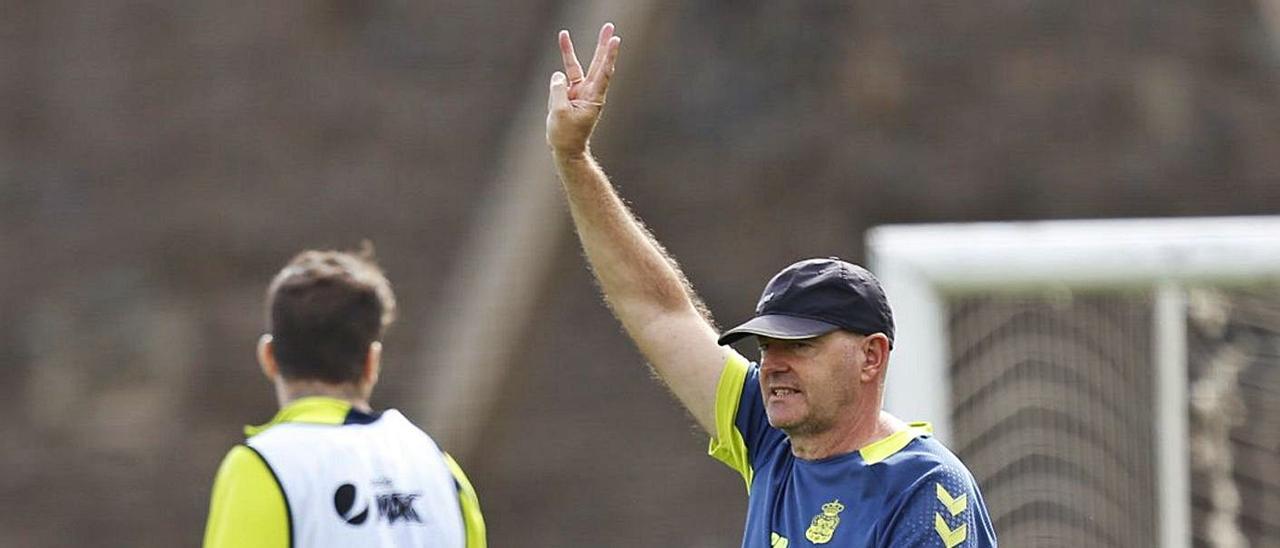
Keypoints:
(248, 508)
(472, 519)
(727, 445)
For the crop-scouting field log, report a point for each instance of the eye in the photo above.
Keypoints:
(803, 347)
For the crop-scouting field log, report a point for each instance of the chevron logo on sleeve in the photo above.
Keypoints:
(953, 505)
(950, 537)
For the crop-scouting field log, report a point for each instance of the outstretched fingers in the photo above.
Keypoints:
(575, 100)
(572, 68)
(604, 42)
(610, 61)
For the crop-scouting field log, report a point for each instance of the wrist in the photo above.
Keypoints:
(572, 156)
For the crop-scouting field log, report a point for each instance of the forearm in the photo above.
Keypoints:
(639, 279)
(645, 289)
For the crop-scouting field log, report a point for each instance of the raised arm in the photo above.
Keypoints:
(641, 282)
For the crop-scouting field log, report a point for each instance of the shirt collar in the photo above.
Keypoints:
(309, 410)
(885, 447)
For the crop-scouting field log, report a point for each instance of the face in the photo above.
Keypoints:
(810, 385)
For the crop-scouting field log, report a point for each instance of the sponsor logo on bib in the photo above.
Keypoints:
(344, 501)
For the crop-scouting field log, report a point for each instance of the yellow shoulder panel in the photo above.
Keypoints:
(248, 507)
(472, 519)
(885, 447)
(728, 446)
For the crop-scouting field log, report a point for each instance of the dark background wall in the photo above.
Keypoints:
(158, 162)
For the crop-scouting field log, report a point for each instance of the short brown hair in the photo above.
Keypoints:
(324, 309)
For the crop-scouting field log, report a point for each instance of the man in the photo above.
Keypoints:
(823, 463)
(328, 470)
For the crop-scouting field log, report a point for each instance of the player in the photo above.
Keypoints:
(328, 470)
(823, 463)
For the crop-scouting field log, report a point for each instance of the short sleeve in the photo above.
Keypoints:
(472, 519)
(741, 424)
(727, 445)
(943, 510)
(248, 507)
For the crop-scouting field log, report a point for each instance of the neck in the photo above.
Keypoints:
(864, 429)
(288, 392)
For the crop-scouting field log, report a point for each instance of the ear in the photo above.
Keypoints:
(875, 353)
(267, 357)
(372, 364)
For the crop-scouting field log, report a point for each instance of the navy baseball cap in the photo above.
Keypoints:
(814, 297)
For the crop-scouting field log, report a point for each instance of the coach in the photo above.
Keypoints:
(823, 463)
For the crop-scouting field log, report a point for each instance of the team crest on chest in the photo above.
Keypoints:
(823, 526)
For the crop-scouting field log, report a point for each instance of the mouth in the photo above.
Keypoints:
(782, 392)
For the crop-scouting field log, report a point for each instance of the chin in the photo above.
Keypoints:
(801, 426)
(783, 423)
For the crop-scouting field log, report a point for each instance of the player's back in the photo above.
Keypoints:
(383, 482)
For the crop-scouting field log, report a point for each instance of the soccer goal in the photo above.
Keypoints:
(1109, 382)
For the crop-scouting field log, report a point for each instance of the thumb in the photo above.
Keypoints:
(559, 95)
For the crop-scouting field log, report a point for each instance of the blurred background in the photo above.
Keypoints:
(159, 161)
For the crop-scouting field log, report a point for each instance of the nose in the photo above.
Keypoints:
(772, 362)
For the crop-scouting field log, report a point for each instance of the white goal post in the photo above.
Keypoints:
(921, 265)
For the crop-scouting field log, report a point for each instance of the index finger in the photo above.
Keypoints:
(572, 69)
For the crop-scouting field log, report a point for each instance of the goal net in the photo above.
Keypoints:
(1110, 383)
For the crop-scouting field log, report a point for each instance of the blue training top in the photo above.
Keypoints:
(904, 490)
